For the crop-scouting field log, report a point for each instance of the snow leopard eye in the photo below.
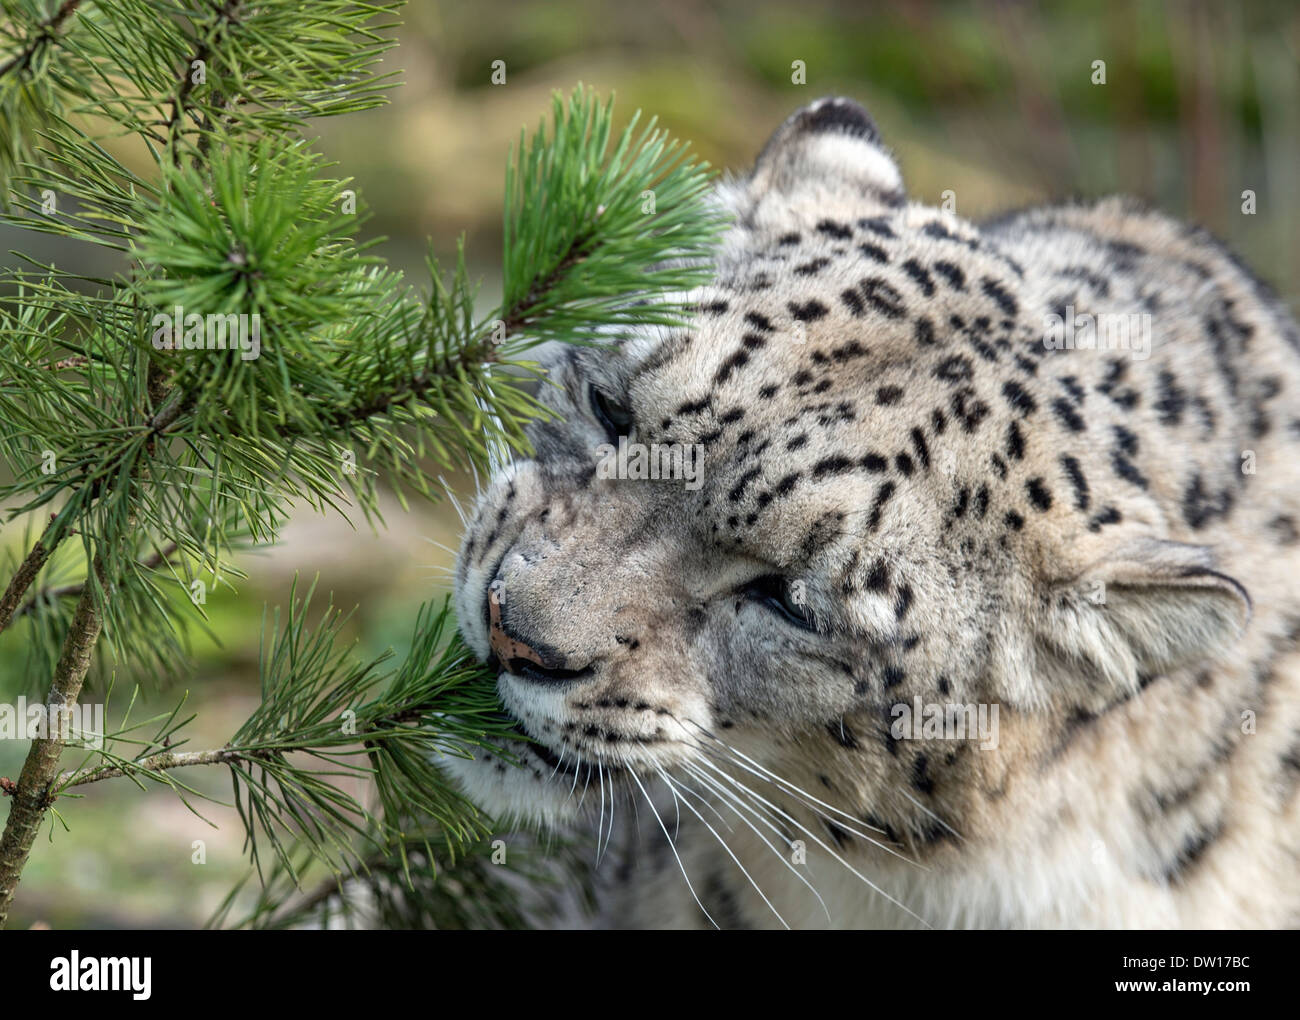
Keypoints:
(614, 418)
(785, 597)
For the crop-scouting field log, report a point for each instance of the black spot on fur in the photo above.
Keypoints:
(919, 274)
(969, 408)
(1172, 399)
(998, 293)
(951, 273)
(878, 225)
(847, 352)
(883, 495)
(1019, 398)
(1107, 515)
(1284, 527)
(839, 231)
(812, 267)
(1080, 484)
(882, 296)
(1015, 441)
(831, 466)
(922, 449)
(1039, 494)
(786, 485)
(809, 311)
(1192, 850)
(1071, 386)
(874, 252)
(1123, 396)
(936, 229)
(1068, 415)
(920, 779)
(729, 367)
(954, 369)
(1126, 445)
(738, 489)
(1200, 506)
(877, 578)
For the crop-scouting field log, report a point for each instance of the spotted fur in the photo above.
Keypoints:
(883, 424)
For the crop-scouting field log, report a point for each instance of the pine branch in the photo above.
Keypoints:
(152, 766)
(46, 31)
(30, 800)
(25, 574)
(66, 591)
(184, 452)
(225, 14)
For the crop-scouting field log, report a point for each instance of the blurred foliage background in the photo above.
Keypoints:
(994, 101)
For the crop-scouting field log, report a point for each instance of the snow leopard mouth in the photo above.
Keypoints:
(583, 771)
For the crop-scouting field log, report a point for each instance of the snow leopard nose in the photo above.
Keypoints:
(530, 661)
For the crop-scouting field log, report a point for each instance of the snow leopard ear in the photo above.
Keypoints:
(1149, 607)
(831, 145)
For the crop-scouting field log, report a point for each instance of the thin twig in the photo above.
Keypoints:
(160, 762)
(25, 575)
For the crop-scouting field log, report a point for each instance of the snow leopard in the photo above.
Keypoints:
(982, 609)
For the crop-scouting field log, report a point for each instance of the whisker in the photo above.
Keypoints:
(673, 847)
(822, 843)
(809, 801)
(800, 792)
(723, 843)
(441, 545)
(957, 834)
(685, 788)
(559, 760)
(728, 796)
(585, 787)
(455, 502)
(600, 822)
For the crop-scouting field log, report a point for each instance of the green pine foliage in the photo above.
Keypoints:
(149, 463)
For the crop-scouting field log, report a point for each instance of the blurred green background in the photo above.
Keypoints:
(993, 101)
